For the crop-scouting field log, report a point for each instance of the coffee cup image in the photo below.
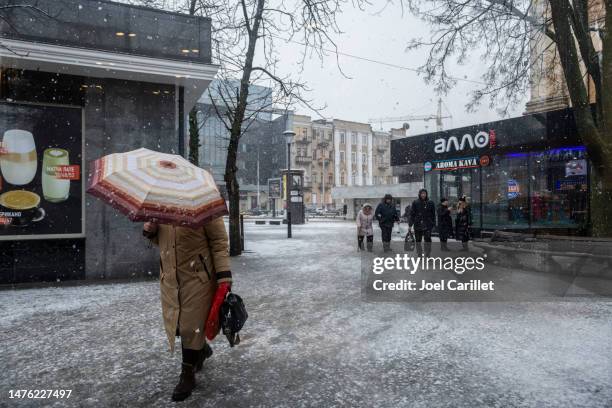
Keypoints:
(21, 207)
(18, 162)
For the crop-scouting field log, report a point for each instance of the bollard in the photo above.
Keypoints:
(242, 232)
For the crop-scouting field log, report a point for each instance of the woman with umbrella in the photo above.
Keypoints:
(182, 209)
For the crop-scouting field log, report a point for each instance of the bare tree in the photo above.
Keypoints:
(245, 34)
(519, 38)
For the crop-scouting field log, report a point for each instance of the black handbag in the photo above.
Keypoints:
(409, 242)
(232, 317)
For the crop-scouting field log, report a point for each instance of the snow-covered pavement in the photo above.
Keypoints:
(310, 340)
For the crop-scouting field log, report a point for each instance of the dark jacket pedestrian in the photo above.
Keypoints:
(422, 216)
(422, 213)
(445, 223)
(386, 215)
(463, 221)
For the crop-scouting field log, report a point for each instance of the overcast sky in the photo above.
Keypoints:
(374, 90)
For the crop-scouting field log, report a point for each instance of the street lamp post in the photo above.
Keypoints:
(289, 134)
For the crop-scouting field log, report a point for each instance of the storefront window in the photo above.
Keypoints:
(545, 189)
(505, 192)
(559, 189)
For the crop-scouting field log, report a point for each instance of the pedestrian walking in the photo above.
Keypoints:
(365, 228)
(386, 214)
(463, 222)
(422, 217)
(194, 278)
(445, 224)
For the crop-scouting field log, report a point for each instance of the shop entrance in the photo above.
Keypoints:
(455, 184)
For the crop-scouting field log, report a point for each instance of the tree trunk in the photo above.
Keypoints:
(601, 179)
(233, 195)
(231, 181)
(593, 134)
(194, 138)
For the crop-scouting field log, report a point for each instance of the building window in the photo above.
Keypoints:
(330, 179)
(342, 179)
(341, 155)
(364, 159)
(354, 138)
(342, 138)
(353, 157)
(364, 139)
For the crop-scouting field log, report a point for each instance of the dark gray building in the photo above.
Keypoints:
(214, 136)
(263, 146)
(78, 80)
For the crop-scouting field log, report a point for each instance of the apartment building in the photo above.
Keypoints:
(338, 153)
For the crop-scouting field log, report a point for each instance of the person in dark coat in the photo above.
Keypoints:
(445, 224)
(422, 216)
(463, 221)
(386, 215)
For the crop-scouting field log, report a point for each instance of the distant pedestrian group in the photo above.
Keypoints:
(422, 218)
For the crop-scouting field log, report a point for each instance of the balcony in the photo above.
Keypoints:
(382, 164)
(323, 144)
(303, 159)
(303, 141)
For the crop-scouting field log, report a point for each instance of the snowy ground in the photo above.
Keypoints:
(310, 341)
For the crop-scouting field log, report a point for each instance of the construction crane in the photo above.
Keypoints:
(437, 117)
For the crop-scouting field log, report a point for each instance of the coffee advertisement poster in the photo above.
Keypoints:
(41, 180)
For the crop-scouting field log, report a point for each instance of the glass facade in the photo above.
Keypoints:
(538, 190)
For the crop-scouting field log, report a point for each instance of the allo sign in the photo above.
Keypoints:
(481, 140)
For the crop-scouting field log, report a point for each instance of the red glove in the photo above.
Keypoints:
(212, 323)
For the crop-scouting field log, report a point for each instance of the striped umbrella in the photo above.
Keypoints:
(150, 186)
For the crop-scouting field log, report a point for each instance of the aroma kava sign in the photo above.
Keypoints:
(481, 140)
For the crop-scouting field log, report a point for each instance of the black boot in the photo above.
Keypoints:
(186, 383)
(360, 243)
(203, 354)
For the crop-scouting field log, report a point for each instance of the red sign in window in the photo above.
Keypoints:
(68, 172)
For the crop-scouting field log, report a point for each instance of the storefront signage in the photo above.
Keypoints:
(41, 187)
(514, 189)
(576, 168)
(455, 164)
(481, 140)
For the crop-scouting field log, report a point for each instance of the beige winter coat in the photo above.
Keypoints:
(192, 262)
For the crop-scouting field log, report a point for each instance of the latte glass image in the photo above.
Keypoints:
(18, 162)
(55, 189)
